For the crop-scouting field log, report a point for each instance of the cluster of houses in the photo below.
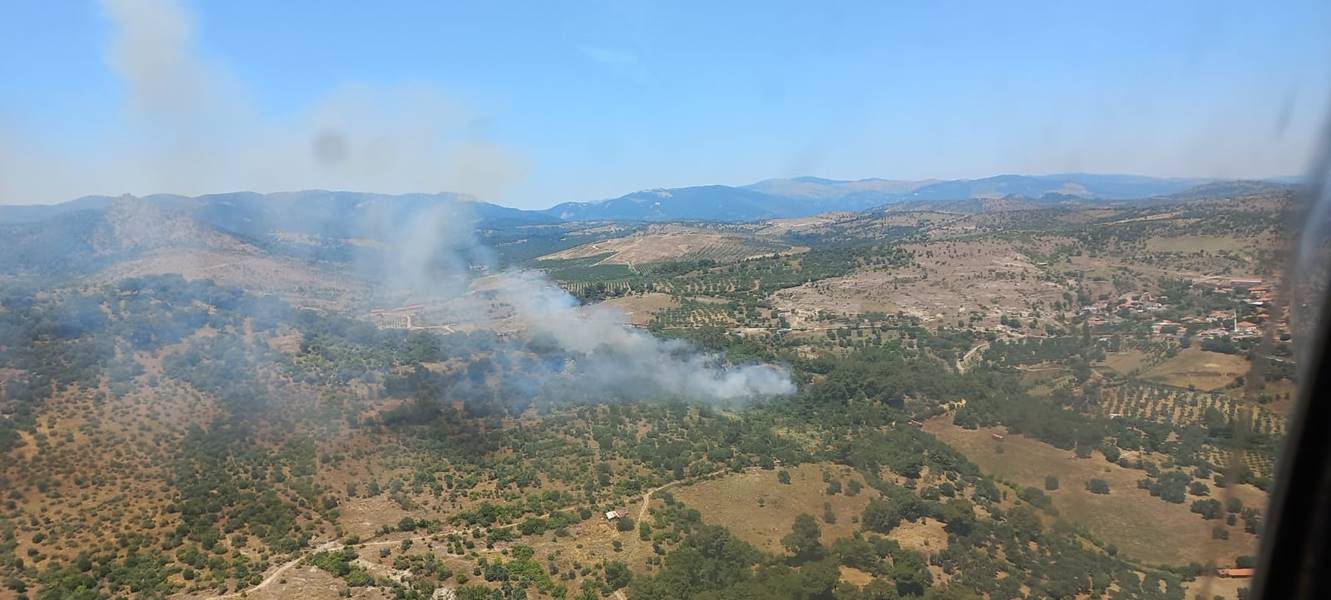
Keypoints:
(1223, 323)
(1217, 324)
(1104, 311)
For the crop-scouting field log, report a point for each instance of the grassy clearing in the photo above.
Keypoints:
(759, 510)
(1125, 363)
(1143, 527)
(1205, 370)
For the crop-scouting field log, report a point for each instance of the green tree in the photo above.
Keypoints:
(617, 575)
(911, 573)
(802, 541)
(959, 515)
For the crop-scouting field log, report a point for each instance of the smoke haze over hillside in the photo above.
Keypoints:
(430, 258)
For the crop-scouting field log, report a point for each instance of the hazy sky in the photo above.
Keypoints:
(534, 103)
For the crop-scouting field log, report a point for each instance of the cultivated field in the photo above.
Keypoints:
(1180, 406)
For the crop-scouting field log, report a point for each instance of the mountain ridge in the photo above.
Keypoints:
(247, 212)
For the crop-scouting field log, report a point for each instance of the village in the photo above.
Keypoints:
(1251, 302)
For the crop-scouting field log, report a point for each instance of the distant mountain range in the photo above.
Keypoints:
(345, 214)
(87, 235)
(804, 196)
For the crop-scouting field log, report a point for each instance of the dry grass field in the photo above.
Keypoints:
(759, 510)
(1143, 527)
(1194, 366)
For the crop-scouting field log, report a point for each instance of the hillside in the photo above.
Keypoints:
(328, 395)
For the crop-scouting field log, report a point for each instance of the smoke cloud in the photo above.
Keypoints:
(434, 256)
(622, 355)
(190, 130)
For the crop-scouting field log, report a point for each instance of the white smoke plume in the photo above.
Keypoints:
(189, 129)
(430, 258)
(629, 354)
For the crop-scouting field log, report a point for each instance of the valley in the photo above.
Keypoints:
(960, 394)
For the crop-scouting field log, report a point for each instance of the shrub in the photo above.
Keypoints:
(1208, 509)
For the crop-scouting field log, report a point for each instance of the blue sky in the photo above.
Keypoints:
(535, 103)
